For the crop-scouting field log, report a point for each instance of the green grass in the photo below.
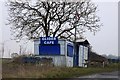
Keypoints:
(76, 72)
(13, 70)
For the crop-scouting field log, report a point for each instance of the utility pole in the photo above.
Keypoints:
(9, 53)
(20, 50)
(75, 55)
(75, 45)
(2, 50)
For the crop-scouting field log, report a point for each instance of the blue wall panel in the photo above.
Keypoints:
(69, 50)
(49, 49)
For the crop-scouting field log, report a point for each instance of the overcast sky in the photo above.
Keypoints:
(104, 42)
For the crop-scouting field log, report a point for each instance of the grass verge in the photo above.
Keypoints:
(13, 70)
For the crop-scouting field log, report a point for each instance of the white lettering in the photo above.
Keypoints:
(44, 42)
(49, 38)
(48, 42)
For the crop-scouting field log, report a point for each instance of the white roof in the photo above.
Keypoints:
(80, 40)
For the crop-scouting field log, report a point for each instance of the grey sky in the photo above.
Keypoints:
(104, 42)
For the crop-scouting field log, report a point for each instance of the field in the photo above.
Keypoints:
(15, 70)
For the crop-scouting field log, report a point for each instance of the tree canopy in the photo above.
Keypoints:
(35, 19)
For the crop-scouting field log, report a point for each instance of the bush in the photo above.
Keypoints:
(33, 60)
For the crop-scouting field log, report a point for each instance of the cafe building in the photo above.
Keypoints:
(61, 51)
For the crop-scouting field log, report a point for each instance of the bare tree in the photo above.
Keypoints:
(35, 20)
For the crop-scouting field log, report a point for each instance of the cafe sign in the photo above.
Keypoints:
(48, 40)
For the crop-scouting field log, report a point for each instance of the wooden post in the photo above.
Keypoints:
(103, 64)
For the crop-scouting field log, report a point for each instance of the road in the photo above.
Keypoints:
(104, 75)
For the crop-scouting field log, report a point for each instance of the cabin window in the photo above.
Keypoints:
(69, 50)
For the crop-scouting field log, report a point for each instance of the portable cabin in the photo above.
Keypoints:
(82, 53)
(61, 51)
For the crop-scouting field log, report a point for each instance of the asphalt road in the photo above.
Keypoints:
(114, 75)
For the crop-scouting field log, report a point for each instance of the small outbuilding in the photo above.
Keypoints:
(62, 52)
(82, 53)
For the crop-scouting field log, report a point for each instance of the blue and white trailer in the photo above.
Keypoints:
(61, 51)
